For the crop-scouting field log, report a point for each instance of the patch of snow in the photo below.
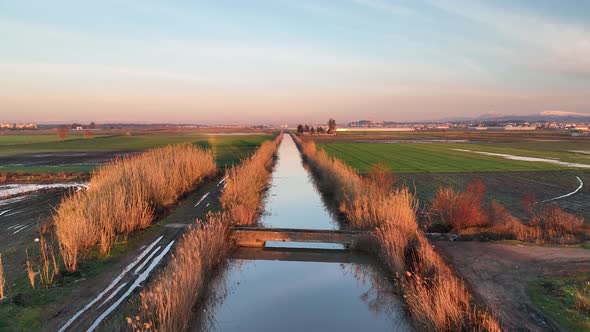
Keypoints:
(202, 198)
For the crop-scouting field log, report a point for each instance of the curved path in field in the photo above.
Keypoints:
(568, 194)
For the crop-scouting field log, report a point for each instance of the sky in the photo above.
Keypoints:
(290, 61)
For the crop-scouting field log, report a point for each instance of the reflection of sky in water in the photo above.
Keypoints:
(305, 296)
(302, 296)
(293, 201)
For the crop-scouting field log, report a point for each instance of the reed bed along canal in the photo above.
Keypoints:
(307, 288)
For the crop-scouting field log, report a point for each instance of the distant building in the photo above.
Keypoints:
(18, 126)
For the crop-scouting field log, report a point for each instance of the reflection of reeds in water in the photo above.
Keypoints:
(436, 299)
(124, 195)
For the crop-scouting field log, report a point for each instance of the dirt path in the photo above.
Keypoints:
(498, 273)
(98, 298)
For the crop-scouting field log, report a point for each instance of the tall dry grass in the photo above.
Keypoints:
(436, 298)
(245, 184)
(167, 303)
(2, 280)
(125, 195)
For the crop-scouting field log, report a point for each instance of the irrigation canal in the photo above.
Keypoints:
(289, 286)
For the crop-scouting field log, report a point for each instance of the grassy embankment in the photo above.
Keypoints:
(25, 307)
(165, 304)
(435, 297)
(566, 300)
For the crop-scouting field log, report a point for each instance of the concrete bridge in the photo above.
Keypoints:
(257, 236)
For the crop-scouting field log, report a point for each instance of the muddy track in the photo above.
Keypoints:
(98, 298)
(498, 273)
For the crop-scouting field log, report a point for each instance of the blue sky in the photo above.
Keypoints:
(290, 61)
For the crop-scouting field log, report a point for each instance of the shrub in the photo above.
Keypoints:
(461, 210)
(557, 225)
(124, 195)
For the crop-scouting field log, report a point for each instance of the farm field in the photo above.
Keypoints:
(20, 153)
(429, 166)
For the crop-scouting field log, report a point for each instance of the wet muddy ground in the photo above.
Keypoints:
(90, 158)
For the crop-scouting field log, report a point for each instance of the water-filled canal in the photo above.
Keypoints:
(293, 292)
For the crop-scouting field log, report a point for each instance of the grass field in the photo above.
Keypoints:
(429, 166)
(443, 157)
(227, 149)
(555, 297)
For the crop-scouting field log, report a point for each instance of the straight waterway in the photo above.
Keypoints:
(291, 291)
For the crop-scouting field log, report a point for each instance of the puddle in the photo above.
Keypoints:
(531, 159)
(9, 190)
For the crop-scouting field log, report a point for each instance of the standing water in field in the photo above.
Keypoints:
(310, 288)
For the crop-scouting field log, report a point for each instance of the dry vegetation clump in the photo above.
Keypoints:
(167, 303)
(435, 297)
(246, 182)
(125, 195)
(461, 210)
(2, 280)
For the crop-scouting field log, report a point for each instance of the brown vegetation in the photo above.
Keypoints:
(581, 299)
(42, 176)
(30, 272)
(48, 266)
(461, 210)
(2, 281)
(246, 182)
(167, 303)
(436, 298)
(466, 212)
(124, 195)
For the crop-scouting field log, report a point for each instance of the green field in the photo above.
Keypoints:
(443, 157)
(555, 298)
(228, 149)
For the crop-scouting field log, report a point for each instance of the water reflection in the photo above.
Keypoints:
(292, 200)
(302, 288)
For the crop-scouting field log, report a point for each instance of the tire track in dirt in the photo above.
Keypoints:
(139, 268)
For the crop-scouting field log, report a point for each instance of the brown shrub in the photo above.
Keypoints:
(167, 303)
(461, 210)
(557, 225)
(123, 196)
(245, 184)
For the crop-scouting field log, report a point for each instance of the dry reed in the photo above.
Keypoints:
(168, 302)
(435, 297)
(165, 304)
(48, 266)
(29, 268)
(2, 280)
(124, 195)
(246, 182)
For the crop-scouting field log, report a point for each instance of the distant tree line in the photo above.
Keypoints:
(331, 129)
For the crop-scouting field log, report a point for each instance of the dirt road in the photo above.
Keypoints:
(498, 273)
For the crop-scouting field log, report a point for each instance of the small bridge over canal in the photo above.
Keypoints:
(258, 236)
